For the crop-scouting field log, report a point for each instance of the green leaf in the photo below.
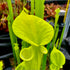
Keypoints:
(1, 65)
(57, 57)
(32, 29)
(21, 66)
(32, 6)
(26, 54)
(53, 67)
(39, 8)
(43, 50)
(27, 11)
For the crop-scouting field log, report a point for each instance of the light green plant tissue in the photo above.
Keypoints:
(36, 32)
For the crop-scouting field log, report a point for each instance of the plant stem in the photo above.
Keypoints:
(57, 43)
(12, 39)
(56, 18)
(56, 34)
(39, 8)
(61, 38)
(45, 58)
(10, 21)
(32, 7)
(66, 10)
(10, 10)
(37, 58)
(55, 27)
(16, 48)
